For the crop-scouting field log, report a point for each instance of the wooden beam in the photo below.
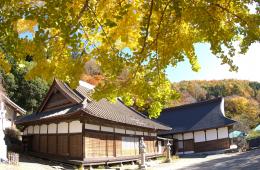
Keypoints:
(193, 141)
(68, 135)
(83, 140)
(182, 142)
(39, 138)
(47, 138)
(57, 138)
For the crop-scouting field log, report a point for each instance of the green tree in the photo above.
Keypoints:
(255, 86)
(142, 37)
(26, 93)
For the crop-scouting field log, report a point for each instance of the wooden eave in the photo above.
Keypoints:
(188, 131)
(55, 119)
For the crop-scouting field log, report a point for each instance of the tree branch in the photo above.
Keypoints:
(147, 27)
(83, 9)
(227, 10)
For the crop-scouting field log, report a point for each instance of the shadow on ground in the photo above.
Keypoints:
(244, 161)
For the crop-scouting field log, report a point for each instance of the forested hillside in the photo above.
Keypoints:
(242, 98)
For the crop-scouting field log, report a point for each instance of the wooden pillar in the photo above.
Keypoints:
(182, 143)
(229, 140)
(68, 134)
(193, 141)
(57, 138)
(217, 133)
(47, 138)
(39, 138)
(83, 140)
(174, 145)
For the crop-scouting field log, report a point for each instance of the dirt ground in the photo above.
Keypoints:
(32, 163)
(232, 161)
(249, 160)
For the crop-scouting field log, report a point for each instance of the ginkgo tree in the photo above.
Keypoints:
(133, 41)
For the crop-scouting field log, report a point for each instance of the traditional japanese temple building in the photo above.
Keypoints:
(198, 127)
(70, 126)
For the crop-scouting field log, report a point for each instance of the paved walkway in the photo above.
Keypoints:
(235, 161)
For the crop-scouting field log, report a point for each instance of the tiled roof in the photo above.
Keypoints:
(49, 114)
(196, 116)
(117, 112)
(83, 92)
(10, 102)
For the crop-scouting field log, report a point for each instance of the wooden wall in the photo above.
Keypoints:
(203, 140)
(212, 145)
(70, 140)
(100, 144)
(58, 144)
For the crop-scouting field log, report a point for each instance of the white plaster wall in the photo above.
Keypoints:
(43, 129)
(188, 152)
(153, 134)
(139, 133)
(145, 133)
(7, 114)
(160, 147)
(178, 136)
(92, 127)
(180, 144)
(36, 129)
(63, 127)
(211, 134)
(188, 135)
(107, 129)
(130, 132)
(199, 136)
(25, 131)
(30, 130)
(52, 128)
(75, 127)
(222, 133)
(117, 130)
(7, 123)
(9, 117)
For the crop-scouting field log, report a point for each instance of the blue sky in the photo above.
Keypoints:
(211, 68)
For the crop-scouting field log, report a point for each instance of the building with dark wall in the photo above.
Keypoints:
(198, 127)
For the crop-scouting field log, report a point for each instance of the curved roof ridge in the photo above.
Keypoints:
(195, 103)
(69, 91)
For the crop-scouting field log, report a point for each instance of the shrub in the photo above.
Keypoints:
(253, 135)
(13, 140)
